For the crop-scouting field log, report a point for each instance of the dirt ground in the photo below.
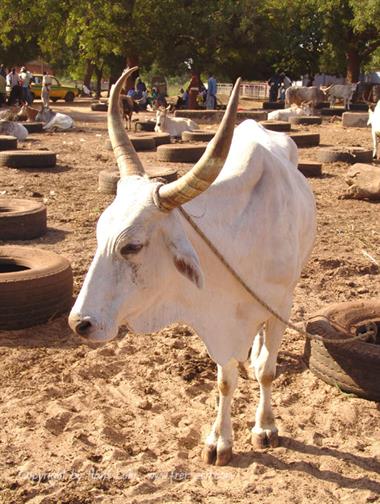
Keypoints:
(124, 423)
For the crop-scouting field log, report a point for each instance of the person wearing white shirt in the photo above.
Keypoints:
(26, 77)
(45, 92)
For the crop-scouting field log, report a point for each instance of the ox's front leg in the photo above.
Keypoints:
(375, 140)
(219, 442)
(265, 433)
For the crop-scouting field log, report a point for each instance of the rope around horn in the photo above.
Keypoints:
(265, 305)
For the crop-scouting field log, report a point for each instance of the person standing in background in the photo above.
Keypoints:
(211, 93)
(15, 91)
(45, 92)
(274, 84)
(3, 84)
(26, 77)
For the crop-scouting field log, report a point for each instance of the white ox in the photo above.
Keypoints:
(14, 129)
(152, 268)
(54, 120)
(301, 94)
(374, 122)
(340, 92)
(172, 125)
(293, 110)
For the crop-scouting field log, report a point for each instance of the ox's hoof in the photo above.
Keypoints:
(209, 454)
(223, 456)
(265, 439)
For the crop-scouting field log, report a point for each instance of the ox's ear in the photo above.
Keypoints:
(184, 256)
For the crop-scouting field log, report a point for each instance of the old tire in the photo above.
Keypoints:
(33, 127)
(145, 125)
(267, 105)
(197, 136)
(358, 107)
(276, 125)
(161, 138)
(21, 219)
(99, 107)
(35, 285)
(352, 366)
(69, 97)
(108, 179)
(345, 155)
(305, 139)
(28, 159)
(305, 120)
(143, 142)
(180, 153)
(310, 168)
(8, 142)
(333, 111)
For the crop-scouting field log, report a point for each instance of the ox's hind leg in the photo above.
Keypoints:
(265, 433)
(219, 442)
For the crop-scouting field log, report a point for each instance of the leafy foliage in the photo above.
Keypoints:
(251, 38)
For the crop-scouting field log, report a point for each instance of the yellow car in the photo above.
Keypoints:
(57, 90)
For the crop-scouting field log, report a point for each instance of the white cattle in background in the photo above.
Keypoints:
(54, 120)
(14, 129)
(152, 268)
(340, 92)
(293, 110)
(302, 94)
(172, 125)
(374, 122)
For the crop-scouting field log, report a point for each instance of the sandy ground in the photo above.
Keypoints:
(124, 423)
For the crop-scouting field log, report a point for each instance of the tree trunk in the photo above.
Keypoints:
(132, 60)
(99, 74)
(88, 73)
(117, 65)
(353, 65)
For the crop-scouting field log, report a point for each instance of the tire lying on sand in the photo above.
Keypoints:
(161, 138)
(99, 107)
(145, 125)
(276, 125)
(8, 142)
(345, 155)
(197, 136)
(310, 168)
(144, 142)
(305, 139)
(108, 179)
(21, 219)
(353, 366)
(305, 120)
(333, 111)
(268, 105)
(28, 159)
(180, 153)
(33, 127)
(35, 286)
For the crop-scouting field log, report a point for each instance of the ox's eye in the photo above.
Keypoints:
(130, 248)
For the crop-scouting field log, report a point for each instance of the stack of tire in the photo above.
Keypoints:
(35, 284)
(13, 158)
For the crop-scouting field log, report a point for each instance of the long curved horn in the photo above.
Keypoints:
(126, 156)
(205, 171)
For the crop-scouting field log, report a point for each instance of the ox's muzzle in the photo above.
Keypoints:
(82, 326)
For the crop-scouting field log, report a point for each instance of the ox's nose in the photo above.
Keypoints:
(80, 325)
